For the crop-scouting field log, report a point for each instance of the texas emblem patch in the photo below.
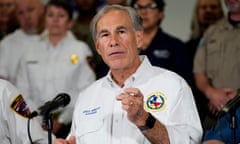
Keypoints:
(155, 101)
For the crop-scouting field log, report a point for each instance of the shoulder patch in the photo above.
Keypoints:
(156, 101)
(19, 106)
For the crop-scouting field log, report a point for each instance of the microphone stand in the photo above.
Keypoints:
(49, 126)
(233, 123)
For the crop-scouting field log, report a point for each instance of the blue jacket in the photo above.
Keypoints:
(222, 130)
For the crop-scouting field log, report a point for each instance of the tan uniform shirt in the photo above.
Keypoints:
(219, 55)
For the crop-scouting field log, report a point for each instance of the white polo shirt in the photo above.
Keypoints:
(99, 118)
(12, 47)
(13, 118)
(45, 71)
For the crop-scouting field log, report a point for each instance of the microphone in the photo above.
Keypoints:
(61, 100)
(232, 104)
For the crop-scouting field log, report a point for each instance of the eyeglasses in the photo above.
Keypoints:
(7, 5)
(148, 7)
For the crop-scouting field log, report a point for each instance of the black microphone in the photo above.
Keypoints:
(232, 104)
(61, 100)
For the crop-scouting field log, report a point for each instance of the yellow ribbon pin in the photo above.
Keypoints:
(74, 59)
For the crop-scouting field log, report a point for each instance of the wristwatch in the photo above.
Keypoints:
(149, 123)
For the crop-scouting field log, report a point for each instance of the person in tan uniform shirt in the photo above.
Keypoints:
(217, 62)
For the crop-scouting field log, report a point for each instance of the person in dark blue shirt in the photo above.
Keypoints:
(162, 49)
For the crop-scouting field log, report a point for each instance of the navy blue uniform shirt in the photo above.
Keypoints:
(169, 52)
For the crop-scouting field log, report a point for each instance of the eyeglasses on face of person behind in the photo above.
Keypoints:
(7, 5)
(148, 7)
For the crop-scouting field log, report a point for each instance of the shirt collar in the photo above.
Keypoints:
(29, 36)
(69, 36)
(227, 25)
(137, 77)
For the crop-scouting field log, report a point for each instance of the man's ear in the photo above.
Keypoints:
(70, 24)
(139, 39)
(97, 47)
(161, 15)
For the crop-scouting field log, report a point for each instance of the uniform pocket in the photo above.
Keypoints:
(92, 132)
(213, 54)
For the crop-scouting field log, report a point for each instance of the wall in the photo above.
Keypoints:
(177, 19)
(178, 15)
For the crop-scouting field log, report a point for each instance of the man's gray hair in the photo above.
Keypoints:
(135, 18)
